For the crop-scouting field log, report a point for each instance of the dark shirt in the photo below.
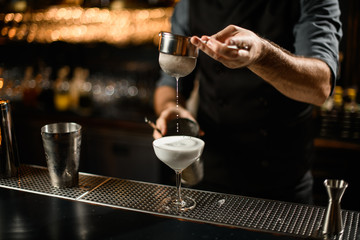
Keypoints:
(252, 131)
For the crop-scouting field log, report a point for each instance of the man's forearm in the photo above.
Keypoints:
(164, 97)
(299, 78)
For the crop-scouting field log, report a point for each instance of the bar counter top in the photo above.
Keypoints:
(111, 208)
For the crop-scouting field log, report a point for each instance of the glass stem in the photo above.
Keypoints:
(178, 185)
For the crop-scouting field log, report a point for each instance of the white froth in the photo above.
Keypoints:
(176, 66)
(178, 152)
(183, 144)
(179, 143)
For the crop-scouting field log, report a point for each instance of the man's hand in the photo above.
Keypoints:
(235, 47)
(168, 114)
(300, 78)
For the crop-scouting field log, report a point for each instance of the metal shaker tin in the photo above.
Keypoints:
(178, 45)
(9, 157)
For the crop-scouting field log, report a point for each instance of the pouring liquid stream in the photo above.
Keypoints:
(177, 66)
(177, 104)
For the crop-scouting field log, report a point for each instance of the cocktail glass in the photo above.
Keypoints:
(178, 152)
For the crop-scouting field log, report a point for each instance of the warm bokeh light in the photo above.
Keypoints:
(87, 25)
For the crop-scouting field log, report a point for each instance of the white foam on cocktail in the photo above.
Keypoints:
(176, 66)
(178, 152)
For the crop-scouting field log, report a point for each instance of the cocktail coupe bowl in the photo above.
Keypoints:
(178, 152)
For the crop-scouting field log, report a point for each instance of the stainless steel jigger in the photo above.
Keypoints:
(177, 45)
(9, 159)
(333, 224)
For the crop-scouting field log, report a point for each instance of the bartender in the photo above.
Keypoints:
(256, 97)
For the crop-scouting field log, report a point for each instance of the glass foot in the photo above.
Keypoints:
(173, 203)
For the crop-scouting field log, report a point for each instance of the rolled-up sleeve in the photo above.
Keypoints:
(319, 32)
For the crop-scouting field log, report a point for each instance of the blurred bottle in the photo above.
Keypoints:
(330, 114)
(356, 129)
(352, 113)
(62, 99)
(80, 92)
(46, 97)
(336, 114)
(85, 98)
(74, 90)
(2, 82)
(325, 123)
(31, 88)
(348, 118)
(351, 105)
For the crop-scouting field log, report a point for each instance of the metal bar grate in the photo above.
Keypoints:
(277, 217)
